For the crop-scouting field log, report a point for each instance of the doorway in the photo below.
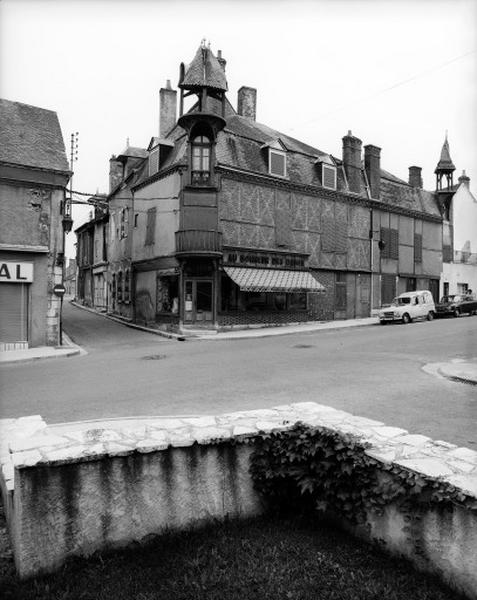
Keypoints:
(198, 301)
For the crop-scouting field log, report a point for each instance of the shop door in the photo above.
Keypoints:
(198, 304)
(13, 312)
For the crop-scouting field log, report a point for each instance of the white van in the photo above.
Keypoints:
(409, 306)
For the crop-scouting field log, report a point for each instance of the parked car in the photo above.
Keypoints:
(456, 305)
(409, 306)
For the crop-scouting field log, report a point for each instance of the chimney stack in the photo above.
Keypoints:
(352, 161)
(415, 178)
(167, 109)
(372, 166)
(247, 102)
(464, 179)
(115, 173)
(221, 60)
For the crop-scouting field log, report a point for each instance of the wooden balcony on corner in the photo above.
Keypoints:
(198, 242)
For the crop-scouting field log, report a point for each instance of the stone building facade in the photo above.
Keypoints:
(234, 223)
(92, 258)
(34, 173)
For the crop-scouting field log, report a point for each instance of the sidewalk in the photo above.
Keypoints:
(67, 349)
(252, 331)
(457, 370)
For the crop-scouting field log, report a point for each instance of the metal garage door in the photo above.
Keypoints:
(13, 312)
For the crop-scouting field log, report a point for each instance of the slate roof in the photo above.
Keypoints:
(400, 194)
(31, 136)
(204, 71)
(239, 146)
(445, 162)
(132, 152)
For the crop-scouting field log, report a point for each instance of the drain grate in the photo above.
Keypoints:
(154, 357)
(303, 346)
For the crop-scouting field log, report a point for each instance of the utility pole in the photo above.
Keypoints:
(67, 220)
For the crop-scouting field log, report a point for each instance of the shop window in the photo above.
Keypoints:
(297, 301)
(113, 287)
(201, 152)
(167, 295)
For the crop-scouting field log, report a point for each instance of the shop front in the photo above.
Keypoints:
(265, 287)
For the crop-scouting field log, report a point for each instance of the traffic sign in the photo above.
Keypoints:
(59, 289)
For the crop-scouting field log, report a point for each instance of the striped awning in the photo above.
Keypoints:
(273, 280)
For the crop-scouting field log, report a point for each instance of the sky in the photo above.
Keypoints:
(399, 74)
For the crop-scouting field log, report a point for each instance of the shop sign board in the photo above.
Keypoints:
(264, 259)
(16, 272)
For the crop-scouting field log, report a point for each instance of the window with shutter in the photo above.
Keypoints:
(150, 227)
(390, 243)
(417, 248)
(277, 163)
(446, 253)
(153, 161)
(328, 176)
(334, 235)
(282, 224)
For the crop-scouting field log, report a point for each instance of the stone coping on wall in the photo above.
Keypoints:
(29, 441)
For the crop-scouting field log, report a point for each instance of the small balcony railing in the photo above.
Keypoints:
(198, 241)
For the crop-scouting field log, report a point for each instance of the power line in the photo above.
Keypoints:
(102, 198)
(387, 89)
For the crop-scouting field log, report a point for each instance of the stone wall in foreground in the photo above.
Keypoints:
(76, 488)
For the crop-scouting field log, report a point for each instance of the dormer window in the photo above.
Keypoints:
(154, 161)
(328, 175)
(327, 171)
(277, 164)
(201, 150)
(277, 158)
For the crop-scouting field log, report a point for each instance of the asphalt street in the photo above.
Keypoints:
(370, 371)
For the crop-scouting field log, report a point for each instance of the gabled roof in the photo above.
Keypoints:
(204, 71)
(31, 136)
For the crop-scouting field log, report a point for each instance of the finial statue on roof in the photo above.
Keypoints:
(127, 142)
(202, 44)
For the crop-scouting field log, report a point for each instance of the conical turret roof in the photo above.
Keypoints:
(204, 71)
(445, 163)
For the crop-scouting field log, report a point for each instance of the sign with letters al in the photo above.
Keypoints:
(16, 272)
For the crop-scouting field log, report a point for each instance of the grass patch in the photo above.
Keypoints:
(266, 558)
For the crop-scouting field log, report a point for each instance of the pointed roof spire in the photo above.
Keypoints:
(204, 71)
(445, 163)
